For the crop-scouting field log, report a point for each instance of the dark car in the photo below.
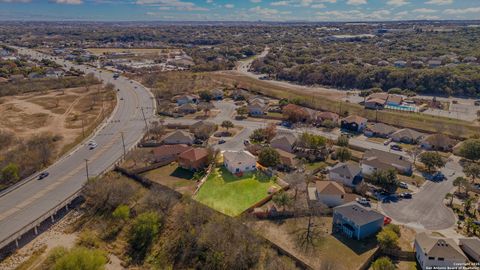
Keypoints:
(406, 195)
(396, 147)
(43, 175)
(221, 142)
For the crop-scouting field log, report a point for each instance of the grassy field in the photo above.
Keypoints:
(327, 101)
(327, 249)
(174, 177)
(232, 195)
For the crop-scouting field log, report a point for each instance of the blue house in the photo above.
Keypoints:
(356, 221)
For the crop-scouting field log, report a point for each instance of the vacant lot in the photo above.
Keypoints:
(173, 177)
(232, 195)
(327, 100)
(62, 117)
(325, 250)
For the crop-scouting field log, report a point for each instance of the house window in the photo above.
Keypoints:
(441, 259)
(431, 258)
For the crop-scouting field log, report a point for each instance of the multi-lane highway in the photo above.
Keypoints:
(29, 202)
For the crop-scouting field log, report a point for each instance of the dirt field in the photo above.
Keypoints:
(70, 114)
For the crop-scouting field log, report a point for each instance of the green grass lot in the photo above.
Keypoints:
(319, 101)
(232, 195)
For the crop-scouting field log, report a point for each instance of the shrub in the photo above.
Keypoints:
(143, 232)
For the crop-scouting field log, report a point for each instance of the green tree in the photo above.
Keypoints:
(227, 124)
(343, 154)
(282, 199)
(387, 180)
(342, 141)
(10, 174)
(206, 95)
(258, 135)
(460, 183)
(312, 141)
(470, 149)
(387, 239)
(269, 157)
(449, 196)
(122, 212)
(472, 170)
(143, 232)
(432, 160)
(383, 263)
(79, 258)
(242, 111)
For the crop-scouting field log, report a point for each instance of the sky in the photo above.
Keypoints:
(239, 10)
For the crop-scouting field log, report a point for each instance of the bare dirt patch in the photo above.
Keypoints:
(66, 113)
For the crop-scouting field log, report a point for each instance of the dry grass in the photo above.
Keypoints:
(328, 101)
(59, 112)
(101, 51)
(331, 249)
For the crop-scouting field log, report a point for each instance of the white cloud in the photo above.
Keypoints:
(318, 5)
(397, 3)
(424, 10)
(356, 2)
(439, 2)
(255, 1)
(229, 6)
(462, 10)
(173, 4)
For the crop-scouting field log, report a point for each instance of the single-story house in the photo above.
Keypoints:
(257, 108)
(330, 193)
(193, 159)
(184, 99)
(285, 142)
(374, 160)
(375, 104)
(169, 153)
(354, 123)
(471, 247)
(239, 161)
(187, 108)
(407, 135)
(203, 129)
(379, 130)
(178, 137)
(379, 95)
(437, 252)
(322, 116)
(349, 174)
(438, 142)
(356, 221)
(287, 160)
(394, 100)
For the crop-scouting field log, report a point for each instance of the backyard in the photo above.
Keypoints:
(232, 195)
(173, 177)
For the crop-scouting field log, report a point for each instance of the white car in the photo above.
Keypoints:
(363, 201)
(92, 145)
(403, 185)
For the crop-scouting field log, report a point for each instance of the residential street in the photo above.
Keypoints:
(425, 210)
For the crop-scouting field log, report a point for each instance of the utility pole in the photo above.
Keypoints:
(144, 118)
(123, 143)
(83, 129)
(86, 168)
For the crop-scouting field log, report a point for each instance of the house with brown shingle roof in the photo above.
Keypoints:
(379, 130)
(348, 173)
(438, 142)
(377, 160)
(287, 160)
(438, 252)
(354, 123)
(284, 141)
(407, 135)
(194, 159)
(322, 116)
(178, 137)
(330, 193)
(169, 153)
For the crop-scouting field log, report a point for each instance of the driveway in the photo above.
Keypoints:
(426, 210)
